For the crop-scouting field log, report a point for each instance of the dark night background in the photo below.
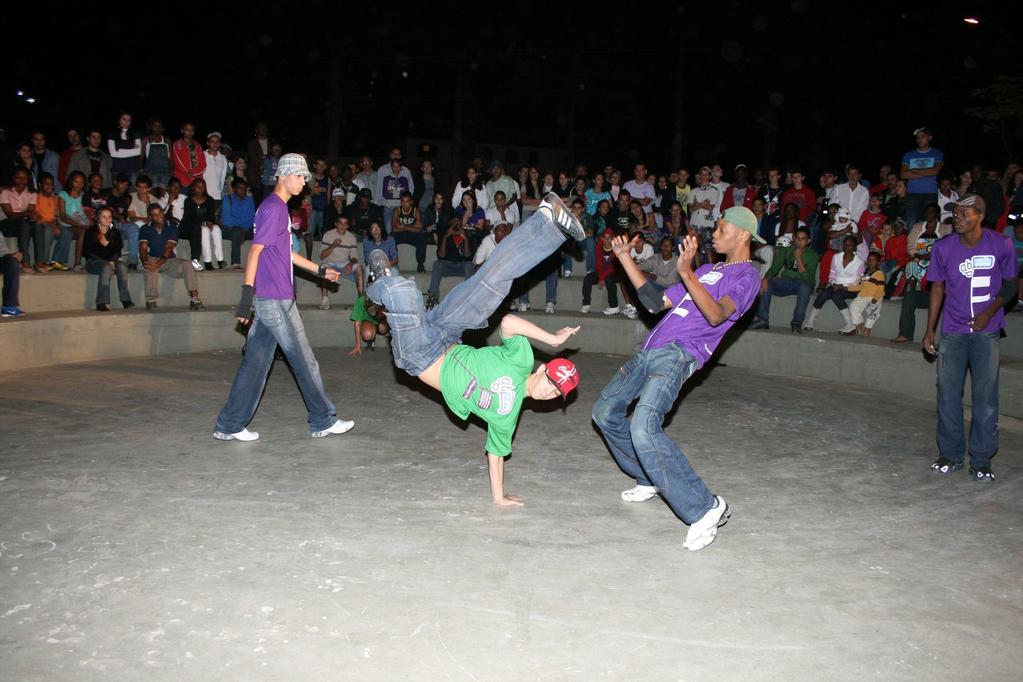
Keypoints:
(794, 81)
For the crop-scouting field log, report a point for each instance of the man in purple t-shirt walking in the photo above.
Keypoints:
(700, 310)
(270, 288)
(972, 271)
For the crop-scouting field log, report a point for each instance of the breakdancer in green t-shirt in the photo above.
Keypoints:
(489, 382)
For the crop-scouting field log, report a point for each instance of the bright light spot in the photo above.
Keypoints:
(21, 93)
(971, 20)
(404, 74)
(30, 100)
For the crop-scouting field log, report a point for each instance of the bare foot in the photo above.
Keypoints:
(509, 501)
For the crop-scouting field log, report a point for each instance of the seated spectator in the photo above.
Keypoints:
(173, 202)
(393, 180)
(407, 228)
(895, 206)
(363, 212)
(436, 218)
(102, 251)
(500, 213)
(237, 217)
(370, 321)
(377, 238)
(838, 225)
(157, 240)
(339, 252)
(872, 220)
(663, 266)
(454, 258)
(490, 242)
(19, 206)
(138, 216)
(199, 226)
(47, 208)
(500, 182)
(846, 270)
(676, 223)
(471, 181)
(237, 170)
(947, 196)
(472, 217)
(10, 266)
(71, 216)
(605, 275)
(916, 293)
(931, 223)
(788, 225)
(865, 309)
(894, 254)
(792, 273)
(92, 160)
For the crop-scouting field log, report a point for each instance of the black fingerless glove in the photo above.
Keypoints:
(244, 308)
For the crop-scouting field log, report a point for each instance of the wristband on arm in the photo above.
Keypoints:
(244, 308)
(651, 295)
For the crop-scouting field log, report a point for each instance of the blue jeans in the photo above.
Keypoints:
(590, 249)
(130, 235)
(237, 235)
(316, 224)
(448, 268)
(417, 239)
(641, 447)
(105, 272)
(915, 206)
(785, 286)
(276, 322)
(11, 269)
(61, 246)
(979, 352)
(418, 337)
(26, 231)
(550, 281)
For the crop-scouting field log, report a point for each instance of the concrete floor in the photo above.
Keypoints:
(133, 546)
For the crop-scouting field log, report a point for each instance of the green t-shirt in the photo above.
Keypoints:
(359, 313)
(489, 382)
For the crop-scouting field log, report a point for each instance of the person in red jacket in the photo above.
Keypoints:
(740, 192)
(188, 157)
(605, 275)
(802, 196)
(896, 255)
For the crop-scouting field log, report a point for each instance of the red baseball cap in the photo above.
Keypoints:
(563, 374)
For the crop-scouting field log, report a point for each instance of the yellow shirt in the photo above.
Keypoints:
(871, 287)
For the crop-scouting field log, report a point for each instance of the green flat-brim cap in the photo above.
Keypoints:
(743, 218)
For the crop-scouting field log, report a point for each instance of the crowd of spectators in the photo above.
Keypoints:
(112, 202)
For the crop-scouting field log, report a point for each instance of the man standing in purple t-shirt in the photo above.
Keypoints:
(972, 271)
(700, 310)
(270, 288)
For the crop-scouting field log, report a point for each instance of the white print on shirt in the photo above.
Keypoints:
(505, 390)
(968, 268)
(710, 279)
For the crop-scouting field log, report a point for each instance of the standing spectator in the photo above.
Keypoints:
(157, 240)
(156, 153)
(703, 202)
(471, 181)
(846, 270)
(499, 182)
(424, 186)
(125, 148)
(216, 168)
(393, 180)
(531, 193)
(256, 151)
(237, 217)
(454, 258)
(873, 219)
(363, 212)
(799, 194)
(676, 225)
(23, 159)
(71, 215)
(19, 206)
(10, 266)
(851, 195)
(269, 168)
(947, 196)
(791, 274)
(739, 193)
(682, 188)
(615, 184)
(407, 228)
(973, 274)
(92, 160)
(95, 196)
(366, 177)
(865, 309)
(102, 251)
(920, 169)
(436, 218)
(199, 226)
(118, 199)
(319, 197)
(188, 157)
(717, 181)
(339, 252)
(828, 187)
(74, 146)
(771, 194)
(641, 190)
(990, 190)
(595, 194)
(46, 161)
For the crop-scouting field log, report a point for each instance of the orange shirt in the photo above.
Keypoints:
(46, 207)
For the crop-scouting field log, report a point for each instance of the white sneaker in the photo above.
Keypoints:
(704, 531)
(640, 493)
(324, 303)
(566, 274)
(338, 427)
(549, 309)
(585, 309)
(612, 311)
(197, 266)
(629, 311)
(523, 307)
(243, 435)
(563, 217)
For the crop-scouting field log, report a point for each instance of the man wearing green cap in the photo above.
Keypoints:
(701, 309)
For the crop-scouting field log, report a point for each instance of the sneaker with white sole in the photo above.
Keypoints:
(563, 217)
(629, 311)
(197, 266)
(585, 309)
(640, 493)
(549, 309)
(704, 531)
(243, 435)
(523, 307)
(612, 311)
(338, 427)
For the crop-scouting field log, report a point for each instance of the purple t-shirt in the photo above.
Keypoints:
(972, 278)
(274, 275)
(687, 326)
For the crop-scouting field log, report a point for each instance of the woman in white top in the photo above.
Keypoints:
(471, 180)
(846, 270)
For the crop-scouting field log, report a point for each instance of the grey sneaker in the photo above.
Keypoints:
(377, 264)
(562, 217)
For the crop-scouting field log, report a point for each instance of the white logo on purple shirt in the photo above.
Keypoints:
(969, 268)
